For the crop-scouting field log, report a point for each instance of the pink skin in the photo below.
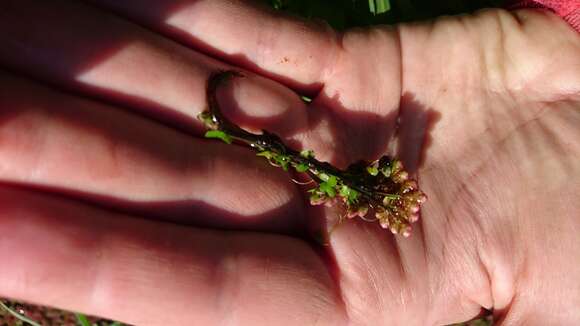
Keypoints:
(499, 165)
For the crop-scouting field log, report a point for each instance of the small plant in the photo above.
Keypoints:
(381, 188)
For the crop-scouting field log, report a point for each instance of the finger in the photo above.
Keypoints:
(307, 53)
(243, 33)
(357, 74)
(101, 55)
(151, 75)
(58, 141)
(76, 257)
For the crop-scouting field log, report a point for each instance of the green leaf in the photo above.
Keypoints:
(276, 159)
(377, 7)
(314, 195)
(284, 166)
(328, 189)
(386, 171)
(331, 192)
(383, 6)
(302, 167)
(307, 153)
(332, 181)
(373, 170)
(328, 186)
(350, 194)
(218, 134)
(353, 196)
(372, 7)
(282, 160)
(83, 320)
(266, 154)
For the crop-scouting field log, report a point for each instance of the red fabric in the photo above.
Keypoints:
(567, 9)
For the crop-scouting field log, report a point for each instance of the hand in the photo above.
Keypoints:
(488, 115)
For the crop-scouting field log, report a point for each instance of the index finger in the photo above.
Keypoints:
(355, 77)
(293, 51)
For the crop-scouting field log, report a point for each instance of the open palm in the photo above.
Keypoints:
(107, 202)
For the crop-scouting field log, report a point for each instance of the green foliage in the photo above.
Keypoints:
(328, 187)
(343, 14)
(373, 170)
(83, 320)
(266, 154)
(307, 153)
(350, 194)
(219, 135)
(280, 160)
(377, 7)
(386, 171)
(323, 176)
(283, 161)
(301, 167)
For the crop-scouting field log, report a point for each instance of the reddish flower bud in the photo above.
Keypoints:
(401, 177)
(406, 232)
(413, 218)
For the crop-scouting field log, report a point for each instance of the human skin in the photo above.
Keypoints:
(112, 204)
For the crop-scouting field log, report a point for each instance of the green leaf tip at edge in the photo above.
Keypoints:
(328, 189)
(307, 153)
(218, 134)
(332, 181)
(373, 170)
(266, 154)
(328, 186)
(377, 7)
(301, 167)
(83, 320)
(350, 194)
(344, 191)
(386, 171)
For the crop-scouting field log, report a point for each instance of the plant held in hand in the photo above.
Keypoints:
(382, 188)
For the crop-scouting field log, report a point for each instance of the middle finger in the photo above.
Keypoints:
(87, 150)
(94, 53)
